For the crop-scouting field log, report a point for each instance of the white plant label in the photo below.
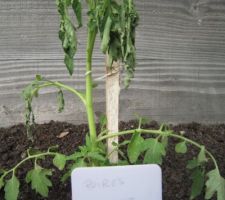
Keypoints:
(136, 182)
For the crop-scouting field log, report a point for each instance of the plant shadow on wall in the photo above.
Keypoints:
(115, 21)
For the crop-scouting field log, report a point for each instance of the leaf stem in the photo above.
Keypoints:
(162, 133)
(13, 170)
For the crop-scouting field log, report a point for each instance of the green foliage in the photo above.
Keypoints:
(60, 100)
(59, 161)
(155, 151)
(201, 156)
(135, 147)
(215, 184)
(198, 181)
(12, 188)
(38, 177)
(117, 23)
(67, 32)
(181, 147)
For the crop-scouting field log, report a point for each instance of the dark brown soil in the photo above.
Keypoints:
(176, 179)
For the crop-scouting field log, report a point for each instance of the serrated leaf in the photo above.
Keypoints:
(202, 156)
(215, 184)
(155, 152)
(59, 161)
(77, 8)
(96, 156)
(181, 147)
(12, 188)
(39, 180)
(198, 180)
(134, 148)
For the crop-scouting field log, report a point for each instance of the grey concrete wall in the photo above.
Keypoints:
(180, 74)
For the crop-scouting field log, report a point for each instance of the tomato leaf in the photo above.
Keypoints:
(134, 148)
(12, 188)
(155, 152)
(215, 184)
(77, 8)
(59, 161)
(181, 147)
(39, 180)
(198, 180)
(60, 100)
(201, 156)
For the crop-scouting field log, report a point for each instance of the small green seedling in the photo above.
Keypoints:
(115, 21)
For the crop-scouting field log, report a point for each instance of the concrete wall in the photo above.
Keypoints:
(180, 74)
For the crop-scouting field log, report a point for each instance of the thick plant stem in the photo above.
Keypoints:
(89, 85)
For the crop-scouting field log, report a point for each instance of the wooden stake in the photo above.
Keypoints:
(112, 106)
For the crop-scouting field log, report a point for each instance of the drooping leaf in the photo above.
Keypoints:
(198, 180)
(181, 147)
(215, 184)
(77, 8)
(59, 161)
(12, 188)
(106, 35)
(60, 101)
(155, 152)
(67, 35)
(39, 180)
(201, 156)
(134, 148)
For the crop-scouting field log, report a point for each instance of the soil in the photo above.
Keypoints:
(176, 178)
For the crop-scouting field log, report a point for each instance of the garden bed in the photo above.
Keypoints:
(176, 178)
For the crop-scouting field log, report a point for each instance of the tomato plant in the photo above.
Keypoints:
(115, 22)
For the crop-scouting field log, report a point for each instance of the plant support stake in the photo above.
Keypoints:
(112, 107)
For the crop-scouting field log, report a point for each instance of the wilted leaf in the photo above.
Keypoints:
(198, 180)
(39, 180)
(12, 188)
(134, 148)
(215, 184)
(77, 8)
(59, 161)
(60, 101)
(155, 152)
(181, 147)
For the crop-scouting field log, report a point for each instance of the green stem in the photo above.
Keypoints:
(159, 132)
(13, 170)
(89, 83)
(65, 87)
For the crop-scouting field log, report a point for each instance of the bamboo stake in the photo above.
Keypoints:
(112, 107)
